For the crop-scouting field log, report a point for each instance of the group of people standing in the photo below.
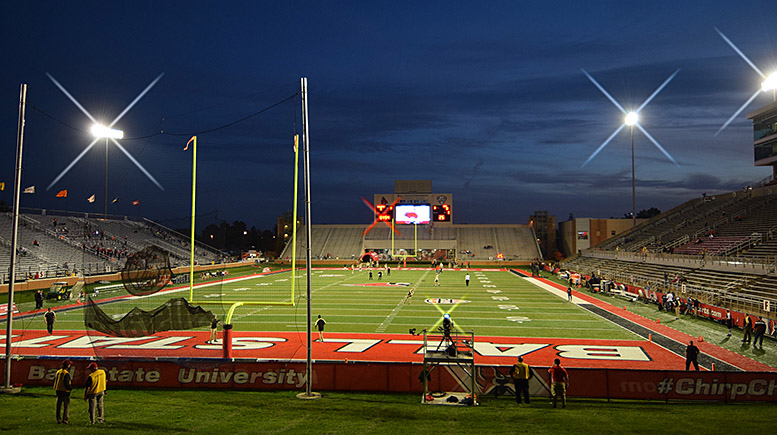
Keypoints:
(94, 391)
(559, 381)
(758, 328)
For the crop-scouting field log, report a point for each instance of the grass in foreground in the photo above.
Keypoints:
(184, 411)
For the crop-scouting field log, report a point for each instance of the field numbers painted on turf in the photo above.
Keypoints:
(283, 279)
(519, 319)
(241, 289)
(500, 298)
(625, 353)
(212, 295)
(263, 283)
(496, 292)
(489, 285)
(445, 301)
(508, 307)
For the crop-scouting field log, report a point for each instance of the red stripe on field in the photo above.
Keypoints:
(341, 346)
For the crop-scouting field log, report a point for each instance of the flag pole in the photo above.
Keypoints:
(194, 197)
(7, 388)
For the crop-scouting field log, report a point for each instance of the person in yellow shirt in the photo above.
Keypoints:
(521, 372)
(62, 387)
(94, 391)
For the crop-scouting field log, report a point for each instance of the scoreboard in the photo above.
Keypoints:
(413, 208)
(441, 213)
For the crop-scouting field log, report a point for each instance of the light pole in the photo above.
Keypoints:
(99, 132)
(631, 119)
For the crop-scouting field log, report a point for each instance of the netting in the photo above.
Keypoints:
(175, 314)
(147, 271)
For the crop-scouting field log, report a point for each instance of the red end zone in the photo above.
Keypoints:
(393, 348)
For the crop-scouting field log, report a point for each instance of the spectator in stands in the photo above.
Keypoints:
(691, 356)
(748, 328)
(760, 330)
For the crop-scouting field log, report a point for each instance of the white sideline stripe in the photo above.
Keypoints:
(387, 321)
(575, 300)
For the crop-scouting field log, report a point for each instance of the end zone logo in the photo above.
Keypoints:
(443, 301)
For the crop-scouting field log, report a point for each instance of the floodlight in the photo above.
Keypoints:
(631, 118)
(770, 83)
(101, 131)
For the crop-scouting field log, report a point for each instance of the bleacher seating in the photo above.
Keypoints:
(63, 244)
(744, 224)
(472, 242)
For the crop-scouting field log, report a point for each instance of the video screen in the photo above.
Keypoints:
(413, 214)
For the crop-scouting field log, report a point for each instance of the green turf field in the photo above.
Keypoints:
(496, 303)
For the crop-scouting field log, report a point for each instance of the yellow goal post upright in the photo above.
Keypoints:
(233, 305)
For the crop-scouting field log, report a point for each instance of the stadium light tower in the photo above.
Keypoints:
(100, 131)
(769, 83)
(631, 120)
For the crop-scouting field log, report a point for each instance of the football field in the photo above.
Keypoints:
(370, 318)
(496, 303)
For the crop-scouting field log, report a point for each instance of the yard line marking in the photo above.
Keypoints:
(387, 321)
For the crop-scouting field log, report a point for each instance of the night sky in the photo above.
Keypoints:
(487, 99)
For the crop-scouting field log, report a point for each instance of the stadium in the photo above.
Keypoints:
(443, 291)
(383, 289)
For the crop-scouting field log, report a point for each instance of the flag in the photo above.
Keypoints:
(296, 142)
(136, 202)
(194, 139)
(2, 185)
(115, 200)
(30, 189)
(62, 194)
(90, 199)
